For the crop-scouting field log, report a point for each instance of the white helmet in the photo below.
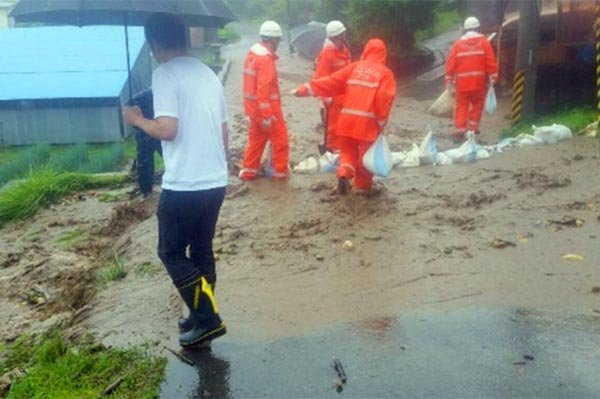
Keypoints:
(471, 23)
(335, 28)
(270, 29)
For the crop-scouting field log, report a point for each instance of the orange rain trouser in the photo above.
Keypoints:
(333, 112)
(351, 166)
(465, 118)
(257, 139)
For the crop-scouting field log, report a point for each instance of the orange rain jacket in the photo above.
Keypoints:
(262, 99)
(369, 88)
(331, 59)
(471, 62)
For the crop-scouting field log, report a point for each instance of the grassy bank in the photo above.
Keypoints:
(575, 119)
(49, 366)
(22, 199)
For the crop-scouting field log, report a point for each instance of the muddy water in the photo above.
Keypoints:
(470, 353)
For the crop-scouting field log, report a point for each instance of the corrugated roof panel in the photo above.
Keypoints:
(65, 61)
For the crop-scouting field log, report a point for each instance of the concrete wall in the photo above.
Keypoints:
(32, 125)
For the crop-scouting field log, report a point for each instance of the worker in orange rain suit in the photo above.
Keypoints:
(334, 56)
(471, 64)
(369, 88)
(262, 105)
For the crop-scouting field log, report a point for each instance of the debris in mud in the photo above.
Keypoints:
(573, 257)
(347, 245)
(596, 290)
(237, 191)
(125, 215)
(477, 200)
(465, 223)
(339, 369)
(566, 221)
(499, 243)
(539, 181)
(9, 259)
(320, 258)
(528, 357)
(320, 186)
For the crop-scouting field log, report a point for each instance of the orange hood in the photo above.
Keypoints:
(375, 51)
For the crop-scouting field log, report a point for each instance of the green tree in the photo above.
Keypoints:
(394, 21)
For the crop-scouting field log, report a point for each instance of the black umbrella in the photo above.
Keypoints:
(308, 38)
(208, 13)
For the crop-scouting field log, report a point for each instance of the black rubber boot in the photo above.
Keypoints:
(207, 325)
(185, 324)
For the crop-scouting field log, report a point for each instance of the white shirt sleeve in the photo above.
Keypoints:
(164, 89)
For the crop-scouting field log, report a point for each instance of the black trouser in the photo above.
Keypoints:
(146, 146)
(188, 219)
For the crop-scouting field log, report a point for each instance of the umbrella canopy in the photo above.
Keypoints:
(209, 13)
(308, 39)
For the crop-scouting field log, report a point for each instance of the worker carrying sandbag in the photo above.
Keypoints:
(262, 105)
(333, 57)
(369, 88)
(470, 67)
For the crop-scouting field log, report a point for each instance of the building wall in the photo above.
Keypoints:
(32, 125)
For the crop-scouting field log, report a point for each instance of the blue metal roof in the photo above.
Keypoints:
(65, 61)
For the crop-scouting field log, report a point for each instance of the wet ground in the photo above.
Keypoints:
(467, 353)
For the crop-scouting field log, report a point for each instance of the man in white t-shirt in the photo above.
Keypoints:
(190, 119)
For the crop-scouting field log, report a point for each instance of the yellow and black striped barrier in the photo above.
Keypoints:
(517, 99)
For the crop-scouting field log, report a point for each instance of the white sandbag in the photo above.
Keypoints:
(466, 153)
(504, 143)
(443, 106)
(490, 101)
(524, 139)
(482, 153)
(428, 149)
(308, 166)
(328, 162)
(378, 158)
(398, 157)
(412, 157)
(443, 159)
(552, 134)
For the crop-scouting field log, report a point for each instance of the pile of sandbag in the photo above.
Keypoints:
(379, 160)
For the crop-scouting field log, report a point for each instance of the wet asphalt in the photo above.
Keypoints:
(468, 353)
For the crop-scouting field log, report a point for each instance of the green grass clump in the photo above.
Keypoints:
(71, 238)
(24, 198)
(114, 272)
(26, 160)
(69, 160)
(575, 119)
(57, 368)
(105, 160)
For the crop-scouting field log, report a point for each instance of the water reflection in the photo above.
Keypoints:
(213, 373)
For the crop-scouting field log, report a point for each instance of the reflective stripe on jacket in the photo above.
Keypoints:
(261, 84)
(471, 62)
(369, 88)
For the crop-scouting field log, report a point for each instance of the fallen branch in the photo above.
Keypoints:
(111, 388)
(180, 356)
